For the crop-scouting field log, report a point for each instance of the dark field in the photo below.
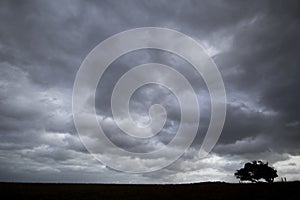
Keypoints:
(289, 190)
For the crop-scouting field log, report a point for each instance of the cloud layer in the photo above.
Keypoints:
(42, 44)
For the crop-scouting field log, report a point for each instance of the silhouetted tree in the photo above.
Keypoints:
(256, 170)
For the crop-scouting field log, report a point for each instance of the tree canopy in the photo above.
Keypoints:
(255, 171)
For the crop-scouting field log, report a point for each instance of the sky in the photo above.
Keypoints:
(255, 45)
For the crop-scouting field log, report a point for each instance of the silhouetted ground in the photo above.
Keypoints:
(288, 190)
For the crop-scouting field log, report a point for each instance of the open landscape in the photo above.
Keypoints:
(213, 190)
(140, 99)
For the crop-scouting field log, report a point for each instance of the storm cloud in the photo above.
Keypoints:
(255, 45)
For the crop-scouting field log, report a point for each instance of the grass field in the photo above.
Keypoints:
(288, 190)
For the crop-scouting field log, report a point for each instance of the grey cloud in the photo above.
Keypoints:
(254, 44)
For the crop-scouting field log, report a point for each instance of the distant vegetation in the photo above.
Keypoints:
(256, 171)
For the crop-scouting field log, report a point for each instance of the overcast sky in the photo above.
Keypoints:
(255, 45)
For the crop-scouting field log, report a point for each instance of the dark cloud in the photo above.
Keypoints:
(42, 44)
